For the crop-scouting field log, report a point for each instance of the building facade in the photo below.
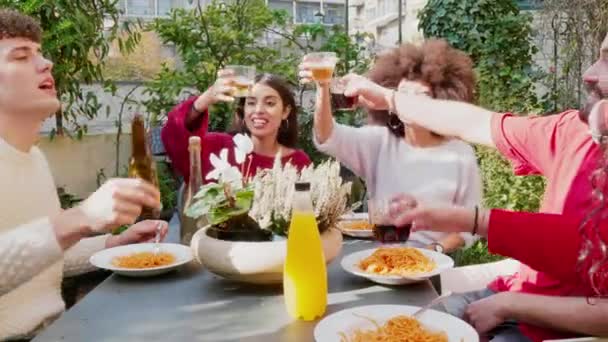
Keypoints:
(381, 19)
(329, 12)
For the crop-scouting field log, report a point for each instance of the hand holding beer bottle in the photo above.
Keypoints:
(141, 164)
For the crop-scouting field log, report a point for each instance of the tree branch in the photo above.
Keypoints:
(204, 23)
(288, 37)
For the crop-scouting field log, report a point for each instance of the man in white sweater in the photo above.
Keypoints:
(40, 243)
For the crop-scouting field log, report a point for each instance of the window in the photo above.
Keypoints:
(334, 14)
(281, 5)
(370, 13)
(152, 8)
(382, 8)
(386, 7)
(305, 12)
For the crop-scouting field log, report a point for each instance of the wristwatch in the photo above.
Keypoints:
(437, 247)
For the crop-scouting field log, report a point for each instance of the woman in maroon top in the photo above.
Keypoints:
(268, 115)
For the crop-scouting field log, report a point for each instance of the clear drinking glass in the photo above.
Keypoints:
(338, 99)
(322, 65)
(384, 229)
(242, 80)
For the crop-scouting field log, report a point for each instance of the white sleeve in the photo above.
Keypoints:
(470, 191)
(25, 252)
(355, 147)
(76, 259)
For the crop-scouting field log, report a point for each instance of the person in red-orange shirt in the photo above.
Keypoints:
(548, 243)
(268, 115)
(556, 146)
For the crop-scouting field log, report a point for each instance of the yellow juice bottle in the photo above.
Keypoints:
(305, 274)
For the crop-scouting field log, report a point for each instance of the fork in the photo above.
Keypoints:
(157, 238)
(432, 303)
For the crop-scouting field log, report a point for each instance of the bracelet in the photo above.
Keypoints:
(437, 244)
(475, 222)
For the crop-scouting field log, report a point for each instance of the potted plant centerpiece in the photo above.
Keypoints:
(248, 219)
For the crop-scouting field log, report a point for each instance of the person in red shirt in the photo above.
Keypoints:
(268, 115)
(558, 147)
(520, 235)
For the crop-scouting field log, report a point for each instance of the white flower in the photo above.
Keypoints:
(274, 192)
(243, 146)
(232, 176)
(223, 171)
(219, 164)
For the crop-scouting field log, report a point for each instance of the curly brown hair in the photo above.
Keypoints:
(447, 71)
(14, 24)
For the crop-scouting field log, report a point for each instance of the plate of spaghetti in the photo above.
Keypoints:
(139, 260)
(393, 323)
(356, 225)
(396, 264)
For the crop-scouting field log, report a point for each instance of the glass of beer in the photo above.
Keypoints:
(384, 229)
(339, 101)
(322, 65)
(242, 80)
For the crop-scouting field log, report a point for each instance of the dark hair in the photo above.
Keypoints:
(14, 24)
(288, 131)
(447, 71)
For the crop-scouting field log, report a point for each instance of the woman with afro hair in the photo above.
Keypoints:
(393, 157)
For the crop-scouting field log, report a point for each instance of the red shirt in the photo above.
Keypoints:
(557, 235)
(175, 137)
(560, 148)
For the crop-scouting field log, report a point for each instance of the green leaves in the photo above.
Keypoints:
(279, 225)
(207, 39)
(224, 210)
(211, 200)
(77, 37)
(209, 195)
(240, 32)
(476, 254)
(498, 38)
(502, 189)
(351, 52)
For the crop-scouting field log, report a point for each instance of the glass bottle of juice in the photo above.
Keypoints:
(305, 274)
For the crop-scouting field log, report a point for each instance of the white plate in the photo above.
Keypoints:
(103, 259)
(358, 233)
(351, 264)
(347, 321)
(354, 216)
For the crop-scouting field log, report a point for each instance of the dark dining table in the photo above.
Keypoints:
(192, 304)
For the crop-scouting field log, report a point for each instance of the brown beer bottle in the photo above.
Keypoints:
(141, 164)
(189, 225)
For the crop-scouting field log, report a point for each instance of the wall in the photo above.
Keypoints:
(380, 18)
(75, 163)
(107, 123)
